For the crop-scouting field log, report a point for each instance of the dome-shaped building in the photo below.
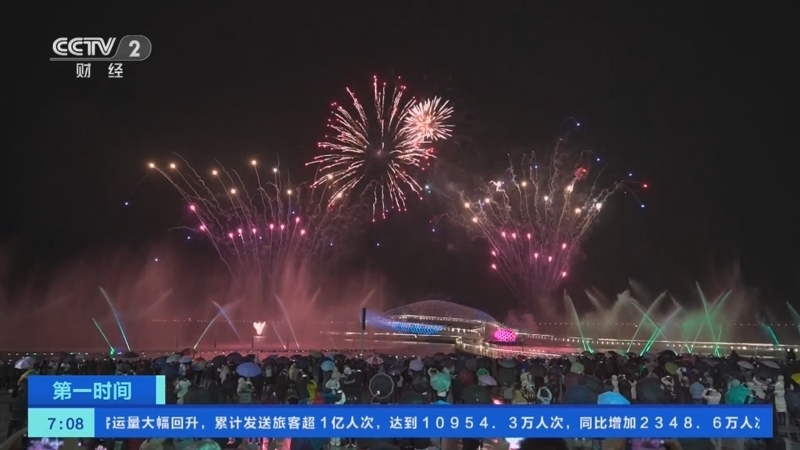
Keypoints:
(440, 310)
(429, 318)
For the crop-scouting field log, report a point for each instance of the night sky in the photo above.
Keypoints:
(696, 102)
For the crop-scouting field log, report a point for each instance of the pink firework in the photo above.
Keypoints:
(257, 228)
(504, 335)
(534, 217)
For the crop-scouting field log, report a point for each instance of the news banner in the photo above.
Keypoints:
(134, 407)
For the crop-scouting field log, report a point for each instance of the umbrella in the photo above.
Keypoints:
(508, 363)
(466, 377)
(612, 398)
(416, 365)
(315, 354)
(160, 362)
(506, 376)
(283, 360)
(438, 356)
(186, 359)
(745, 365)
(396, 369)
(219, 360)
(302, 363)
(737, 395)
(170, 371)
(199, 364)
(671, 367)
(765, 372)
(173, 358)
(419, 383)
(381, 386)
(476, 395)
(248, 370)
(251, 357)
(593, 384)
(667, 353)
(578, 395)
(129, 355)
(487, 380)
(650, 391)
(771, 364)
(234, 355)
(412, 398)
(25, 375)
(25, 363)
(375, 360)
(537, 370)
(188, 352)
(327, 365)
(441, 382)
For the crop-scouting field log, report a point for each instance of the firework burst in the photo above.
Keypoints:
(377, 150)
(258, 231)
(534, 218)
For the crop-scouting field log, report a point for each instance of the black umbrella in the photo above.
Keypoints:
(381, 386)
(396, 369)
(251, 357)
(283, 360)
(593, 384)
(650, 391)
(506, 376)
(302, 363)
(630, 369)
(476, 395)
(412, 398)
(765, 372)
(129, 355)
(471, 364)
(537, 370)
(420, 383)
(579, 395)
(219, 360)
(196, 396)
(438, 356)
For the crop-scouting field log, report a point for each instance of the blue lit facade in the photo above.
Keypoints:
(395, 326)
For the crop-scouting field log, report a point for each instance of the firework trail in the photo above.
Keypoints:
(534, 218)
(377, 150)
(258, 231)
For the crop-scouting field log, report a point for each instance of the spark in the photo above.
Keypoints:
(297, 228)
(378, 150)
(428, 120)
(552, 203)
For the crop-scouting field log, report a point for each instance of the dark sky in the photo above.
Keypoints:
(697, 101)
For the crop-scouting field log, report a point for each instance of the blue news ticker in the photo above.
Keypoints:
(88, 391)
(399, 421)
